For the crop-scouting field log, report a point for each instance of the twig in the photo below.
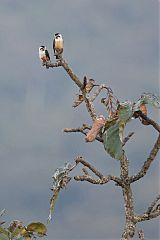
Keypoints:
(127, 138)
(149, 120)
(152, 212)
(82, 130)
(52, 65)
(141, 234)
(2, 212)
(88, 165)
(89, 104)
(153, 204)
(71, 74)
(90, 179)
(147, 216)
(85, 171)
(97, 92)
(147, 163)
(77, 81)
(102, 179)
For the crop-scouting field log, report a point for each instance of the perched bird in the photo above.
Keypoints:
(44, 55)
(58, 45)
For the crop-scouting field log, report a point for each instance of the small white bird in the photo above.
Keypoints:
(58, 45)
(44, 55)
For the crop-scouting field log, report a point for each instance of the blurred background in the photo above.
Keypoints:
(113, 42)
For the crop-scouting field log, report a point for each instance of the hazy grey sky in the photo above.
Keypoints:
(116, 43)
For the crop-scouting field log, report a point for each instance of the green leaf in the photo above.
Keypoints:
(125, 111)
(112, 142)
(37, 227)
(114, 128)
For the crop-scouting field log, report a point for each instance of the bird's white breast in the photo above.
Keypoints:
(41, 54)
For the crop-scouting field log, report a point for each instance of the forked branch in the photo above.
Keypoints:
(149, 121)
(101, 178)
(152, 212)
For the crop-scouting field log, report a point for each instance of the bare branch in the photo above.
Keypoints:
(102, 179)
(148, 120)
(71, 74)
(153, 204)
(97, 92)
(127, 138)
(79, 129)
(152, 212)
(141, 234)
(90, 106)
(52, 65)
(85, 171)
(77, 81)
(2, 212)
(147, 163)
(129, 228)
(82, 130)
(88, 165)
(90, 179)
(147, 216)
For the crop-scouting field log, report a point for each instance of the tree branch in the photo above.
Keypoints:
(147, 163)
(88, 165)
(97, 92)
(89, 105)
(82, 130)
(71, 74)
(127, 138)
(129, 228)
(152, 212)
(124, 181)
(141, 234)
(102, 179)
(77, 81)
(52, 65)
(147, 216)
(153, 204)
(148, 120)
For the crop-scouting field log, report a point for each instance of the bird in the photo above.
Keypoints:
(58, 45)
(44, 55)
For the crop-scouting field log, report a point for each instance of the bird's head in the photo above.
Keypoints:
(58, 35)
(42, 48)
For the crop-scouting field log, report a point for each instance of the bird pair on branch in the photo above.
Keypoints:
(57, 49)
